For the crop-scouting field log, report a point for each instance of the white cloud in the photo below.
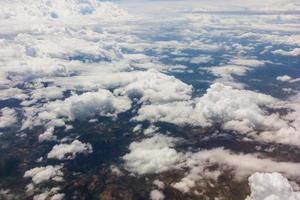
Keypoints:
(51, 194)
(271, 186)
(69, 151)
(12, 93)
(294, 52)
(48, 93)
(156, 195)
(152, 155)
(8, 117)
(242, 164)
(89, 104)
(286, 78)
(159, 184)
(247, 62)
(42, 174)
(235, 109)
(200, 59)
(156, 88)
(55, 9)
(47, 135)
(81, 107)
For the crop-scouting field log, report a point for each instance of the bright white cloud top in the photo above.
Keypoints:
(271, 186)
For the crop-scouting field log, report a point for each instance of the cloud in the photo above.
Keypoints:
(265, 186)
(48, 93)
(89, 104)
(51, 194)
(286, 78)
(8, 117)
(235, 67)
(80, 107)
(69, 151)
(152, 155)
(234, 109)
(154, 87)
(47, 135)
(55, 9)
(247, 62)
(42, 174)
(200, 59)
(156, 195)
(294, 52)
(200, 164)
(14, 93)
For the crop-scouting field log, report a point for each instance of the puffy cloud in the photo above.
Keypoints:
(153, 155)
(225, 74)
(12, 93)
(47, 135)
(8, 117)
(179, 113)
(236, 66)
(249, 62)
(286, 78)
(156, 195)
(156, 88)
(89, 104)
(201, 59)
(235, 109)
(81, 107)
(69, 151)
(54, 9)
(42, 174)
(48, 93)
(269, 186)
(159, 184)
(243, 165)
(6, 194)
(294, 52)
(51, 194)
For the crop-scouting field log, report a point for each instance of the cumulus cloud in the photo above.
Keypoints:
(235, 67)
(81, 107)
(243, 165)
(69, 151)
(294, 52)
(156, 195)
(249, 62)
(51, 194)
(47, 135)
(42, 174)
(156, 88)
(235, 109)
(266, 186)
(48, 93)
(8, 117)
(153, 155)
(89, 104)
(201, 59)
(286, 78)
(14, 93)
(54, 9)
(159, 184)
